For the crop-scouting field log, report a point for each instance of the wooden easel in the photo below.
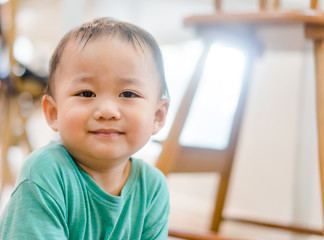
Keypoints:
(177, 158)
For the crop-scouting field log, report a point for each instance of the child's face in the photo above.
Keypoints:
(106, 102)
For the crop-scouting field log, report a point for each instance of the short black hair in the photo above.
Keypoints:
(105, 26)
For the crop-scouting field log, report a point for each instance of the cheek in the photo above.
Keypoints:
(142, 122)
(70, 119)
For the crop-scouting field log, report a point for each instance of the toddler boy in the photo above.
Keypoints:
(106, 96)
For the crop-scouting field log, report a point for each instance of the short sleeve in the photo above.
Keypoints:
(156, 219)
(32, 214)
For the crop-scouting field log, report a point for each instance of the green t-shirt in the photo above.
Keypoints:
(55, 199)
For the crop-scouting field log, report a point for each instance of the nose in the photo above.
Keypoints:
(107, 110)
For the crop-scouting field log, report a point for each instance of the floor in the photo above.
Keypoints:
(192, 198)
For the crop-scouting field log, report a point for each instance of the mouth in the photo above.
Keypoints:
(106, 132)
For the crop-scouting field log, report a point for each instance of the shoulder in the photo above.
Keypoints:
(46, 166)
(51, 156)
(54, 152)
(157, 206)
(152, 181)
(149, 172)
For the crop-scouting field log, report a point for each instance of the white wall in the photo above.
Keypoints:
(276, 170)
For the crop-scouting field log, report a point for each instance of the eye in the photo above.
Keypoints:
(86, 94)
(128, 94)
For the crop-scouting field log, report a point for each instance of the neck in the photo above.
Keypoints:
(111, 179)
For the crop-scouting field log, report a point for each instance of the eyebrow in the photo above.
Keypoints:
(83, 77)
(87, 78)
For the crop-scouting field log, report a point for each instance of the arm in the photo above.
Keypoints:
(156, 219)
(32, 213)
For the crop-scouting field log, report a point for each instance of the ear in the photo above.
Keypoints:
(50, 111)
(160, 115)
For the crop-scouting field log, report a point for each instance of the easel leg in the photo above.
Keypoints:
(319, 64)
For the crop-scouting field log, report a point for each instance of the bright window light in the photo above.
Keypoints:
(179, 63)
(23, 50)
(211, 114)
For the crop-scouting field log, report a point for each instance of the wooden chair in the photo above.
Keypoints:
(177, 158)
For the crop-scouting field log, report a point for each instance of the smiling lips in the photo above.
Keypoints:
(107, 132)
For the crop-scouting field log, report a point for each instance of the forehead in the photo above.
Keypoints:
(109, 46)
(108, 56)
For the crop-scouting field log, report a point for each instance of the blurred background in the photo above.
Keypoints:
(275, 175)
